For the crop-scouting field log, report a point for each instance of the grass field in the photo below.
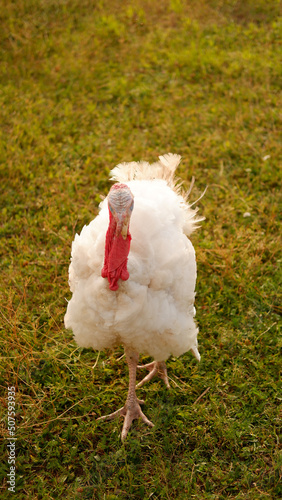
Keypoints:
(85, 85)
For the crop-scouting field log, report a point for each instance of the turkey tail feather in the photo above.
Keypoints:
(163, 169)
(132, 171)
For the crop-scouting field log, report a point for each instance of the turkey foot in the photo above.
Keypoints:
(131, 410)
(155, 368)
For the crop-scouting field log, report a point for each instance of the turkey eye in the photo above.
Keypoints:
(131, 206)
(111, 209)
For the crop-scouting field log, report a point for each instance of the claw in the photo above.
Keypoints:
(131, 414)
(155, 368)
(130, 411)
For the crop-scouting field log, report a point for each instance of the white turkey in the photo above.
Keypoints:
(133, 273)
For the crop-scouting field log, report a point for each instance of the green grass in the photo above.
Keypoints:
(85, 85)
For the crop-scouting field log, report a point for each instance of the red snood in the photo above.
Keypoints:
(116, 254)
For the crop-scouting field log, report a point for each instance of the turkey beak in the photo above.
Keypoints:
(124, 229)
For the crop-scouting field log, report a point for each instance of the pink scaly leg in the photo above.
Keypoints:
(156, 368)
(131, 410)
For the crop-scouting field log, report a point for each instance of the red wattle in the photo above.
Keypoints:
(116, 254)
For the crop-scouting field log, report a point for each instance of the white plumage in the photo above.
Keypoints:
(153, 311)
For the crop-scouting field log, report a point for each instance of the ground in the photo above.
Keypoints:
(84, 86)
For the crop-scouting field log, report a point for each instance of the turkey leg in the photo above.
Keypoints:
(131, 410)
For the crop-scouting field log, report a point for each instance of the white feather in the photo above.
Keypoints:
(153, 312)
(163, 169)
